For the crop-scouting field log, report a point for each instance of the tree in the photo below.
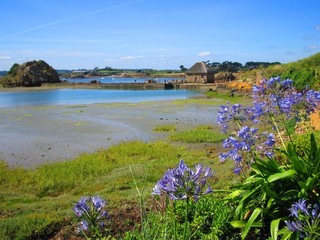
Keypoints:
(13, 69)
(182, 68)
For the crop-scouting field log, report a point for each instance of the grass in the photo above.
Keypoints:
(225, 97)
(215, 99)
(35, 203)
(165, 128)
(199, 135)
(38, 201)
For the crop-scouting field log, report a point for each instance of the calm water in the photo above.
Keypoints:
(88, 96)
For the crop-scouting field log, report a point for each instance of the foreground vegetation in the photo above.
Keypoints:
(35, 203)
(269, 189)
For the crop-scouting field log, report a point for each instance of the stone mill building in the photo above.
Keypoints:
(200, 73)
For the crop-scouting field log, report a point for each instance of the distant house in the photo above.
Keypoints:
(200, 73)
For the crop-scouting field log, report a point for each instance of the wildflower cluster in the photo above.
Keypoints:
(274, 100)
(91, 213)
(247, 140)
(235, 114)
(184, 183)
(278, 97)
(306, 219)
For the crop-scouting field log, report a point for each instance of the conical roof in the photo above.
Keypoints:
(199, 67)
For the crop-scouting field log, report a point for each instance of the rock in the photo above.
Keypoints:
(30, 74)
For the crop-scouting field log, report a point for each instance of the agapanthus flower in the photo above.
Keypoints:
(306, 219)
(312, 101)
(273, 101)
(81, 207)
(91, 212)
(83, 225)
(237, 170)
(247, 140)
(231, 114)
(182, 182)
(270, 140)
(301, 206)
(276, 96)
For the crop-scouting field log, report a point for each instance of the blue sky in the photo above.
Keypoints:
(158, 34)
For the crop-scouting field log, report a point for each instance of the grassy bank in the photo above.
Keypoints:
(39, 201)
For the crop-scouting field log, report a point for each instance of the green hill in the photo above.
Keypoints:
(304, 72)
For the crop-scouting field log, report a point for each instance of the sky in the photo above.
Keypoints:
(156, 34)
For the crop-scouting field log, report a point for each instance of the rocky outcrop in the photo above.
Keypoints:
(30, 74)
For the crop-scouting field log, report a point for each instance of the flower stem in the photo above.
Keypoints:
(175, 221)
(142, 211)
(186, 220)
(280, 136)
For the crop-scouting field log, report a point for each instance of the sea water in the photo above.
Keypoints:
(88, 96)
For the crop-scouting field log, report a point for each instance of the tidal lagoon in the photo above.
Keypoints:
(88, 96)
(44, 126)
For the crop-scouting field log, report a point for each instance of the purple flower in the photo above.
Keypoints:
(270, 140)
(293, 226)
(273, 101)
(231, 114)
(305, 218)
(247, 140)
(81, 207)
(182, 182)
(98, 203)
(286, 84)
(312, 101)
(301, 205)
(83, 226)
(91, 213)
(237, 170)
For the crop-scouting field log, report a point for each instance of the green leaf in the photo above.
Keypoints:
(290, 194)
(286, 234)
(277, 176)
(312, 180)
(271, 193)
(292, 155)
(274, 229)
(251, 220)
(313, 146)
(241, 224)
(253, 180)
(235, 193)
(314, 154)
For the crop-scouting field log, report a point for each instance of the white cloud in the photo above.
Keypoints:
(318, 27)
(203, 54)
(312, 47)
(4, 57)
(131, 57)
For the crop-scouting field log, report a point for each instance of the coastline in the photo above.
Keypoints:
(36, 135)
(157, 85)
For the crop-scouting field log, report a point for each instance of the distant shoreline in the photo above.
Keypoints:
(133, 86)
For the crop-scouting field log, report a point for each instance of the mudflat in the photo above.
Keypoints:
(34, 135)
